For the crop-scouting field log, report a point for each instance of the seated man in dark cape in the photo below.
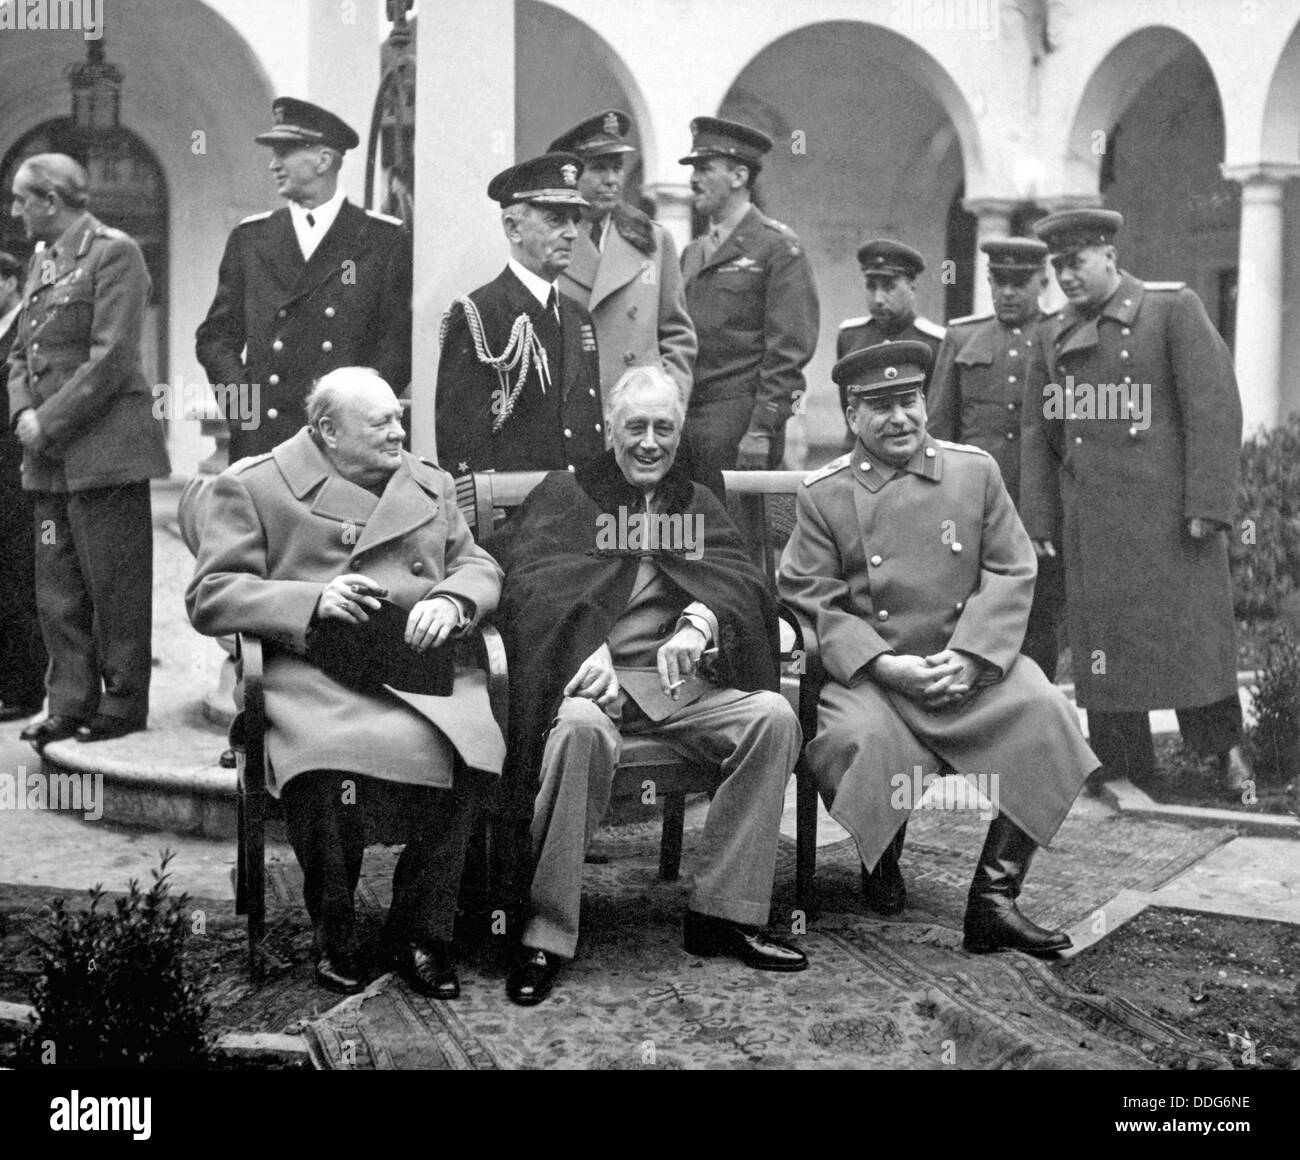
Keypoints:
(618, 580)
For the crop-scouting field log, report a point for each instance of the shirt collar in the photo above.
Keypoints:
(7, 320)
(539, 288)
(925, 462)
(727, 226)
(323, 214)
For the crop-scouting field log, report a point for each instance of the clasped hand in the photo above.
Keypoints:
(938, 681)
(428, 624)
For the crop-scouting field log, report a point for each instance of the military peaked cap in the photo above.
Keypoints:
(714, 137)
(307, 124)
(598, 136)
(551, 179)
(888, 368)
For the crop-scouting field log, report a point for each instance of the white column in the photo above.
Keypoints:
(464, 136)
(1259, 291)
(674, 210)
(994, 221)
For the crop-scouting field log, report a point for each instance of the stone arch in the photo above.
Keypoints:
(1279, 137)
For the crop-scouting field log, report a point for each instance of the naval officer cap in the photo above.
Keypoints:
(886, 256)
(1072, 230)
(307, 124)
(599, 136)
(714, 137)
(888, 368)
(551, 179)
(1014, 255)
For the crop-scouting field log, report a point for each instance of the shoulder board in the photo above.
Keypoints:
(963, 447)
(384, 217)
(779, 227)
(967, 319)
(242, 465)
(103, 231)
(1165, 285)
(925, 326)
(848, 322)
(829, 469)
(256, 217)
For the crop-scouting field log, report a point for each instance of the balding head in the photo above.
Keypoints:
(50, 192)
(357, 421)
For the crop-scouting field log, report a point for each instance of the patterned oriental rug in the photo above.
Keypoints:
(878, 994)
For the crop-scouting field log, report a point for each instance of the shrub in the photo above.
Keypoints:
(1266, 562)
(112, 992)
(1275, 740)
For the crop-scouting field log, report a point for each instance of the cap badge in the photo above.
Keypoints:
(891, 372)
(611, 125)
(570, 174)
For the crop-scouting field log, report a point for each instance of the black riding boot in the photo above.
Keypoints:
(993, 922)
(883, 889)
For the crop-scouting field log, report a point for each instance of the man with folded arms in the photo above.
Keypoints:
(606, 641)
(310, 534)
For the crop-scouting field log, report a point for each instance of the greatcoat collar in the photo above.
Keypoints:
(1079, 331)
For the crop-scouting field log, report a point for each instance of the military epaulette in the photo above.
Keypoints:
(855, 322)
(1165, 285)
(635, 228)
(830, 468)
(103, 231)
(385, 217)
(242, 465)
(968, 318)
(963, 447)
(256, 217)
(925, 326)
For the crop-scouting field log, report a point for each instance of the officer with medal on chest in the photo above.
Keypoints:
(988, 369)
(317, 285)
(519, 375)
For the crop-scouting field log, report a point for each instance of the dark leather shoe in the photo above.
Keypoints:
(532, 977)
(19, 712)
(883, 889)
(707, 936)
(429, 968)
(101, 728)
(339, 974)
(998, 925)
(51, 729)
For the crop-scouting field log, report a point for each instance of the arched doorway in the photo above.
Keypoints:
(128, 191)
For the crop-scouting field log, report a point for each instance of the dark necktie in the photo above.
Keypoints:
(597, 229)
(553, 305)
(311, 221)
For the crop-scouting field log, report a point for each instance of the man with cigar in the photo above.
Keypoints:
(315, 285)
(312, 534)
(606, 639)
(910, 560)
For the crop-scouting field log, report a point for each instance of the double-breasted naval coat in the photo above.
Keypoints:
(931, 558)
(278, 323)
(279, 528)
(1148, 608)
(554, 419)
(632, 288)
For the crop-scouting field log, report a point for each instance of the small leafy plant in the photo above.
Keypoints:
(112, 992)
(1276, 736)
(1264, 549)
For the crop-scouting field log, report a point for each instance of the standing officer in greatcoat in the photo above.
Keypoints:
(890, 270)
(908, 556)
(316, 285)
(519, 375)
(988, 365)
(82, 409)
(750, 291)
(624, 270)
(1138, 437)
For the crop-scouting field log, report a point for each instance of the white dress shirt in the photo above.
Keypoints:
(309, 234)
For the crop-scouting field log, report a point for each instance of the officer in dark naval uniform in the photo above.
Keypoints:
(1138, 438)
(890, 270)
(316, 285)
(989, 367)
(750, 292)
(519, 375)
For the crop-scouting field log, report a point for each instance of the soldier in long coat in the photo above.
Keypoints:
(318, 284)
(519, 374)
(1138, 439)
(289, 537)
(910, 559)
(987, 367)
(750, 292)
(81, 407)
(624, 270)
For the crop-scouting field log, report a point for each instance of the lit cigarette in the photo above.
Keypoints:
(677, 684)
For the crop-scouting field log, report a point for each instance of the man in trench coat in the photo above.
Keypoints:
(315, 530)
(624, 269)
(909, 557)
(1137, 441)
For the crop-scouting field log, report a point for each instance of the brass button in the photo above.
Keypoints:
(1011, 378)
(567, 433)
(631, 311)
(1126, 332)
(865, 465)
(327, 346)
(1133, 432)
(277, 346)
(1015, 330)
(956, 547)
(597, 426)
(1078, 439)
(329, 312)
(929, 453)
(876, 561)
(1012, 352)
(960, 605)
(570, 466)
(628, 358)
(1011, 406)
(882, 615)
(592, 394)
(274, 380)
(282, 314)
(1124, 355)
(272, 413)
(417, 568)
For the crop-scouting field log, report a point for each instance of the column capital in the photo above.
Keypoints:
(1260, 172)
